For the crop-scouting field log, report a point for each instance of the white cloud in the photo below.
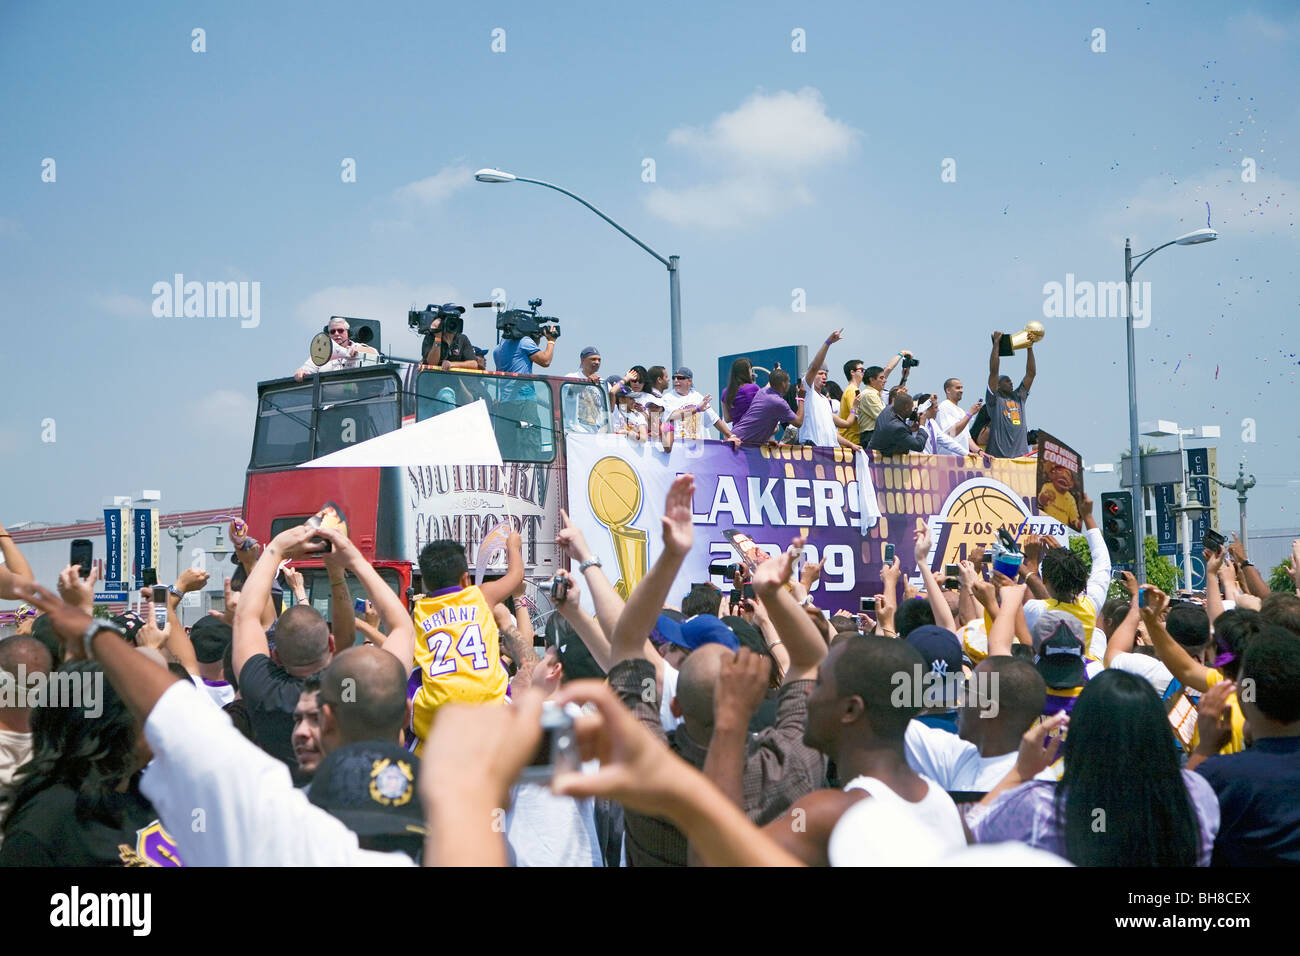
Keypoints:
(762, 150)
(783, 131)
(434, 189)
(1162, 205)
(122, 306)
(388, 303)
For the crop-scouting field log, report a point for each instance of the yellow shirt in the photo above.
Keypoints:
(1238, 743)
(458, 651)
(1083, 609)
(1061, 505)
(846, 411)
(869, 405)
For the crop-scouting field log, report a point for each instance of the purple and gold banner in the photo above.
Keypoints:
(847, 510)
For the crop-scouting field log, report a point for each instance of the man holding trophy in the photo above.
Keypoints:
(1006, 406)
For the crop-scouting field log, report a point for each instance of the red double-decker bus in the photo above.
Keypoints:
(392, 512)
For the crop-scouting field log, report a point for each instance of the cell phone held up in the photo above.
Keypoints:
(889, 553)
(82, 554)
(329, 516)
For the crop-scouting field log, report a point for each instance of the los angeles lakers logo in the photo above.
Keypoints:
(971, 516)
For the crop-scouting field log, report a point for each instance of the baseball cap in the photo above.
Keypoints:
(667, 630)
(1058, 638)
(372, 787)
(683, 372)
(210, 636)
(706, 629)
(588, 352)
(939, 647)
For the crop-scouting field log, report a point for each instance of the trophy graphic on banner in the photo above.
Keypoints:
(614, 493)
(1031, 334)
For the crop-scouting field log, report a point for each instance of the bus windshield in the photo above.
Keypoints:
(520, 408)
(299, 421)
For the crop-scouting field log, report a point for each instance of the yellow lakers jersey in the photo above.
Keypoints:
(458, 652)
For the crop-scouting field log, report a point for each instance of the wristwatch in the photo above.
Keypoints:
(172, 590)
(589, 563)
(97, 625)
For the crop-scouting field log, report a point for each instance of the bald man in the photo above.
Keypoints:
(362, 698)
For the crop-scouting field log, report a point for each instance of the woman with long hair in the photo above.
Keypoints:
(1122, 800)
(740, 390)
(77, 802)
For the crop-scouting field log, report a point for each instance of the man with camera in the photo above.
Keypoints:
(897, 431)
(871, 400)
(347, 354)
(446, 345)
(518, 355)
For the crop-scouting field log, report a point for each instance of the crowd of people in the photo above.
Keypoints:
(1032, 721)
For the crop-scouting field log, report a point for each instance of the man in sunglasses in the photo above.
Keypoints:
(688, 411)
(347, 354)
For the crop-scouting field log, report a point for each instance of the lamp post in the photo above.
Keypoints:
(1240, 486)
(670, 263)
(180, 536)
(1131, 266)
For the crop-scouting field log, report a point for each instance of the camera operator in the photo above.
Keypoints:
(446, 345)
(871, 400)
(519, 355)
(897, 431)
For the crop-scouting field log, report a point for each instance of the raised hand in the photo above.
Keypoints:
(569, 536)
(834, 336)
(1130, 585)
(773, 574)
(75, 590)
(191, 579)
(1157, 602)
(69, 622)
(297, 541)
(1039, 746)
(742, 684)
(922, 536)
(677, 522)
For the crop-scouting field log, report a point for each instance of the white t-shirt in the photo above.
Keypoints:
(15, 750)
(818, 421)
(886, 830)
(939, 442)
(666, 718)
(953, 763)
(218, 691)
(252, 813)
(545, 830)
(694, 422)
(950, 413)
(1149, 667)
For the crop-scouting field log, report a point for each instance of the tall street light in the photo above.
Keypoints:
(1131, 266)
(670, 263)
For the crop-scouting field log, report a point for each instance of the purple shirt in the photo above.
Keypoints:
(767, 410)
(1028, 814)
(744, 395)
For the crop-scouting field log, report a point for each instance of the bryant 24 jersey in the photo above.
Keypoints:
(458, 652)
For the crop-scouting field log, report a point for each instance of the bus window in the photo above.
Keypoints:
(282, 435)
(520, 408)
(355, 411)
(584, 408)
(317, 583)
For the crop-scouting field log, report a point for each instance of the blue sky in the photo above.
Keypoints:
(774, 171)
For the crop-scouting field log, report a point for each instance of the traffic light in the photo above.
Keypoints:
(1118, 528)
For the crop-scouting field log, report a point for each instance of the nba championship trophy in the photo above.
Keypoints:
(614, 493)
(1032, 334)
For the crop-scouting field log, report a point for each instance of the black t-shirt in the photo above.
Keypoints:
(271, 695)
(46, 832)
(460, 351)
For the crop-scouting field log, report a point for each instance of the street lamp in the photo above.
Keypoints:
(180, 536)
(1195, 237)
(670, 263)
(1191, 504)
(1240, 486)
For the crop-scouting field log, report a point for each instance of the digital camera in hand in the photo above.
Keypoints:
(558, 752)
(909, 362)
